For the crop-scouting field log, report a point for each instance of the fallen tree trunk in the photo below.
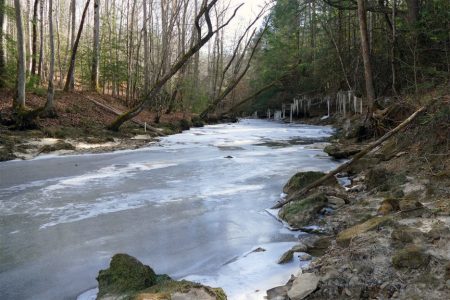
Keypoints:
(118, 113)
(358, 156)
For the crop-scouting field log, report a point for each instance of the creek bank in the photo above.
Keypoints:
(128, 278)
(58, 140)
(390, 236)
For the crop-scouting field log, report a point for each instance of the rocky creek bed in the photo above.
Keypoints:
(387, 233)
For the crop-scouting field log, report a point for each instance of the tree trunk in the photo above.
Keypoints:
(96, 46)
(73, 8)
(365, 49)
(146, 50)
(41, 39)
(70, 81)
(34, 39)
(19, 99)
(413, 11)
(2, 44)
(49, 107)
(393, 44)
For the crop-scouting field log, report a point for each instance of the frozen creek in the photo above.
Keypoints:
(179, 206)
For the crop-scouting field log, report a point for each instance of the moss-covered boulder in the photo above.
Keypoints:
(125, 275)
(389, 205)
(341, 151)
(303, 211)
(344, 237)
(303, 179)
(197, 122)
(410, 257)
(60, 145)
(184, 124)
(405, 235)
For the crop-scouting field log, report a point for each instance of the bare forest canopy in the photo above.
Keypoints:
(199, 56)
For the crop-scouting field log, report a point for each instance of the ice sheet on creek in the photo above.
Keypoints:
(179, 206)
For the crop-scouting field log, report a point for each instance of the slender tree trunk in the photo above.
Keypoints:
(70, 83)
(73, 8)
(366, 56)
(41, 39)
(58, 45)
(413, 11)
(146, 50)
(393, 44)
(34, 38)
(49, 106)
(2, 44)
(96, 46)
(29, 35)
(19, 99)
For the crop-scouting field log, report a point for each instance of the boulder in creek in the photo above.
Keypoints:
(339, 151)
(128, 278)
(303, 211)
(289, 255)
(303, 179)
(410, 257)
(344, 237)
(303, 285)
(125, 274)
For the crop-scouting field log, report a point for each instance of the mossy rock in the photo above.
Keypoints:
(384, 180)
(197, 122)
(6, 154)
(341, 151)
(303, 211)
(303, 179)
(389, 205)
(438, 231)
(405, 235)
(125, 275)
(60, 145)
(410, 257)
(344, 237)
(184, 124)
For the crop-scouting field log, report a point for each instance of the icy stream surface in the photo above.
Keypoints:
(179, 206)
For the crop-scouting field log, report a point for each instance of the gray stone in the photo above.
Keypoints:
(194, 294)
(303, 285)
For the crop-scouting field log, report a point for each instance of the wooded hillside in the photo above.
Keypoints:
(183, 56)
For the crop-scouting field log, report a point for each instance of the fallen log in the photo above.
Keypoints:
(118, 113)
(358, 156)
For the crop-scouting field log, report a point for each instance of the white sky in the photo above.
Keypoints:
(246, 13)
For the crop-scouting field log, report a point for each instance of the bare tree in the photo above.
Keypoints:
(237, 73)
(2, 45)
(204, 12)
(69, 86)
(365, 49)
(49, 109)
(19, 98)
(34, 37)
(96, 46)
(41, 39)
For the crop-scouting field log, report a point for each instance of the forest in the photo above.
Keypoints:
(183, 56)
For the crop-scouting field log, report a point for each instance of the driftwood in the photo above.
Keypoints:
(358, 156)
